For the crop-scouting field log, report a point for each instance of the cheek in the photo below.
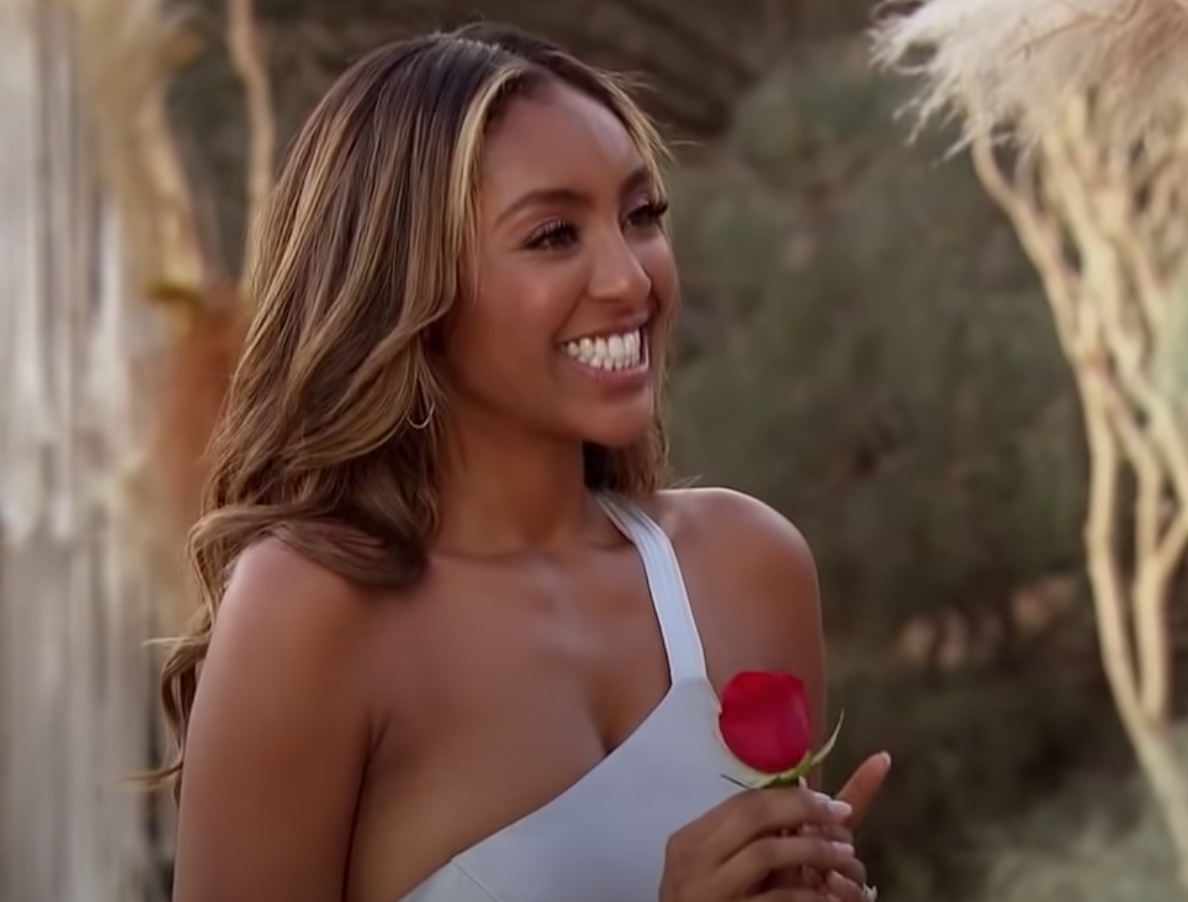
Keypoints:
(507, 331)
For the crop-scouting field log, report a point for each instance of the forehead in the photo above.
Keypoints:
(555, 136)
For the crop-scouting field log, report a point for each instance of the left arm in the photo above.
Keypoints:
(763, 565)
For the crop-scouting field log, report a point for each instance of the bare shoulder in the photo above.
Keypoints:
(278, 603)
(753, 583)
(744, 533)
(287, 633)
(278, 736)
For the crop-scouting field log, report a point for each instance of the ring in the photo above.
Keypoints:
(870, 893)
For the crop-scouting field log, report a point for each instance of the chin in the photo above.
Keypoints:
(618, 430)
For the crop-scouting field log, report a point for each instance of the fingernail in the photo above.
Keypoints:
(844, 847)
(839, 809)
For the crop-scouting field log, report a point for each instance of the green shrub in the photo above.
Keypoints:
(867, 348)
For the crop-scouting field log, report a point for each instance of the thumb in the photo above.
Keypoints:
(864, 784)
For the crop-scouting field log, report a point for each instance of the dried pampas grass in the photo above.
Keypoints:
(1020, 63)
(127, 54)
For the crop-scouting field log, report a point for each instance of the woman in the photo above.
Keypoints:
(458, 649)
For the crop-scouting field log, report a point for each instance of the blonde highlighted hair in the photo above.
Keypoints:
(329, 439)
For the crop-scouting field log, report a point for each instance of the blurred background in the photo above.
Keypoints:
(868, 343)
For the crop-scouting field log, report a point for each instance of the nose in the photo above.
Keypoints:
(616, 274)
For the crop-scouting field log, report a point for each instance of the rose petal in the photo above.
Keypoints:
(765, 721)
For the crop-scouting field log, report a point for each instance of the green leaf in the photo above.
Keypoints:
(824, 751)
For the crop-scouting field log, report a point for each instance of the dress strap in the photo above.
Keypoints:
(682, 643)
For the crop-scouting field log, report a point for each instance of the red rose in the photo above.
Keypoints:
(765, 721)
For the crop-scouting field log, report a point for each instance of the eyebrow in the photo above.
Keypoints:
(639, 178)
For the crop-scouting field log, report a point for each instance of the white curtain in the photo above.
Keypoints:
(76, 682)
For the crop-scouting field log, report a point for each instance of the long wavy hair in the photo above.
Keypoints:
(331, 435)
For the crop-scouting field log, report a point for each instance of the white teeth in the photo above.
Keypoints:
(615, 352)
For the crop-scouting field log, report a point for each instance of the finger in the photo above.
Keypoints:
(853, 869)
(771, 854)
(836, 832)
(796, 877)
(747, 816)
(846, 890)
(864, 784)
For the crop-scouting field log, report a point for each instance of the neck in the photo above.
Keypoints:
(504, 489)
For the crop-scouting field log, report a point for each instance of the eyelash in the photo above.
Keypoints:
(550, 236)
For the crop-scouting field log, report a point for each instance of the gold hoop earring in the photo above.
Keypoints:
(424, 424)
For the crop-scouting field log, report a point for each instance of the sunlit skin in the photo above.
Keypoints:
(346, 746)
(570, 246)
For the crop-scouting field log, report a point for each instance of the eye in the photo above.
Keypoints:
(649, 214)
(552, 236)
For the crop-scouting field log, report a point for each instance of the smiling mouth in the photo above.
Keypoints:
(624, 351)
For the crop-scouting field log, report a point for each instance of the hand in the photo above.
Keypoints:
(859, 792)
(730, 852)
(842, 885)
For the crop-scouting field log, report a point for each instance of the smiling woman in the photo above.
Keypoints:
(569, 210)
(454, 648)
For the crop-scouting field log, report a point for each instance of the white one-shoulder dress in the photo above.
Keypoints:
(603, 839)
